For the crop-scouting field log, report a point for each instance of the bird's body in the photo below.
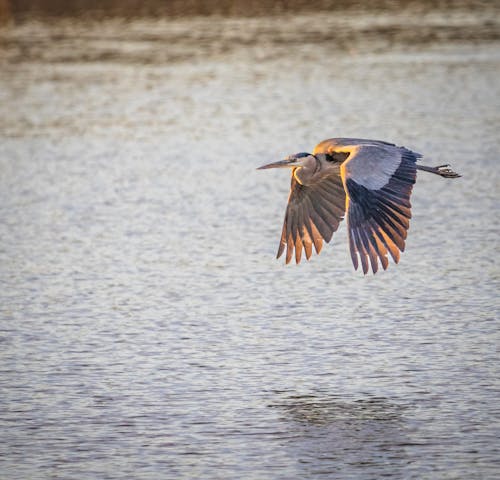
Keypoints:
(369, 180)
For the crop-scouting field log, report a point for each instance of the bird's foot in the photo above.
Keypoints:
(446, 172)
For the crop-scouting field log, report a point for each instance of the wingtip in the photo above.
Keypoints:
(281, 248)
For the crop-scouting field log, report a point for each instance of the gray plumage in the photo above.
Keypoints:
(370, 180)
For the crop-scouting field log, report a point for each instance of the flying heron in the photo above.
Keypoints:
(371, 180)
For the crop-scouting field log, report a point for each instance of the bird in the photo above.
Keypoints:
(369, 181)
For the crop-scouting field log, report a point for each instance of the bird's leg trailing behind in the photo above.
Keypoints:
(442, 170)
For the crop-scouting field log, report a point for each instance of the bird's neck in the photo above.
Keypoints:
(307, 171)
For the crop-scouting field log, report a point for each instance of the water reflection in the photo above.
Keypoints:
(334, 434)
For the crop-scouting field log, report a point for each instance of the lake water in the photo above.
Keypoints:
(147, 331)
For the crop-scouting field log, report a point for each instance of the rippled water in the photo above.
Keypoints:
(147, 330)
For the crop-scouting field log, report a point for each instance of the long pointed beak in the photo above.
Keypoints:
(281, 164)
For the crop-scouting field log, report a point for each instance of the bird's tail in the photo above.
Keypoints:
(442, 170)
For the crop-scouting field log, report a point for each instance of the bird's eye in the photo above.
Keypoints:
(337, 157)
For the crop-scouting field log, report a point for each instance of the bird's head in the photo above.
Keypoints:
(292, 161)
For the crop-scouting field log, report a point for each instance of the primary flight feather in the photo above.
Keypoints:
(369, 180)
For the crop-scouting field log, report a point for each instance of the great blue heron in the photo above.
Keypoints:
(371, 180)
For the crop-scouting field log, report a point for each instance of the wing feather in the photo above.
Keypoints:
(378, 213)
(358, 238)
(313, 214)
(304, 235)
(298, 249)
(354, 251)
(328, 220)
(289, 249)
(391, 246)
(380, 248)
(312, 231)
(317, 238)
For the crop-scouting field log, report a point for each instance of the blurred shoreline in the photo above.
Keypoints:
(24, 10)
(165, 40)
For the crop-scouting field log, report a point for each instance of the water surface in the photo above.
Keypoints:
(147, 330)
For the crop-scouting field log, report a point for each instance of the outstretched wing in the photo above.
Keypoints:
(378, 180)
(312, 215)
